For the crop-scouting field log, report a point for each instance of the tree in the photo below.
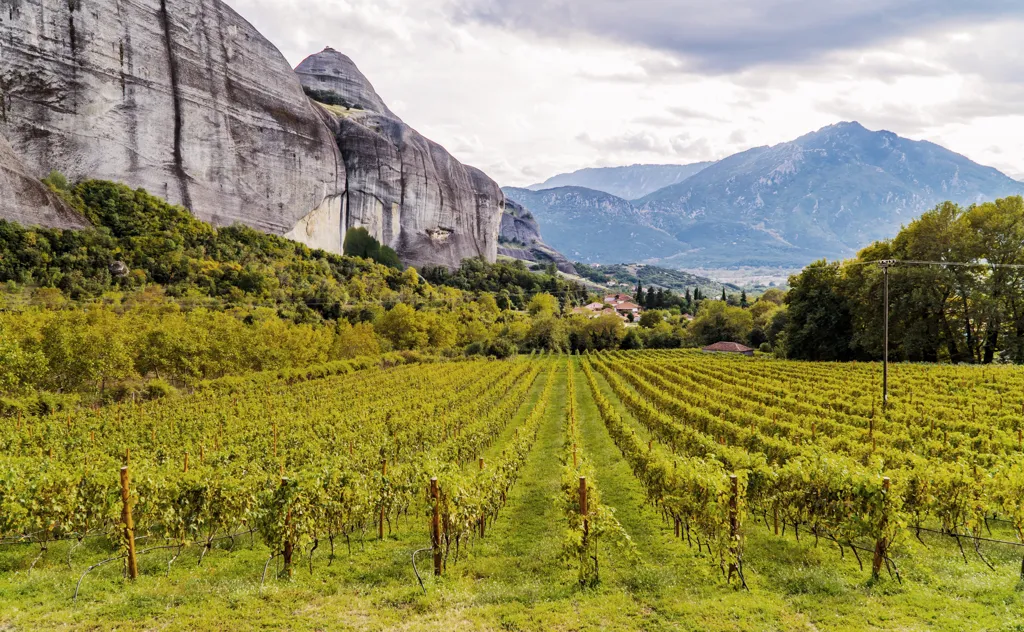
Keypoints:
(820, 323)
(651, 318)
(605, 332)
(547, 333)
(359, 243)
(403, 328)
(717, 322)
(543, 304)
(743, 299)
(639, 296)
(651, 302)
(724, 299)
(659, 300)
(773, 295)
(352, 341)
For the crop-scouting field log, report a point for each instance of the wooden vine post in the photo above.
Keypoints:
(734, 525)
(435, 525)
(288, 545)
(129, 524)
(380, 527)
(483, 517)
(882, 544)
(584, 512)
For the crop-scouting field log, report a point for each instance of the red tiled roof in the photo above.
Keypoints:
(728, 347)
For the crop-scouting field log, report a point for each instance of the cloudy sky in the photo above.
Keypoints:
(525, 89)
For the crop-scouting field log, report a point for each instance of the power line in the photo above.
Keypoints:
(963, 264)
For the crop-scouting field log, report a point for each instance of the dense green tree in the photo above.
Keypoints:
(820, 323)
(717, 322)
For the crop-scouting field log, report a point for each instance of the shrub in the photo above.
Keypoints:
(159, 389)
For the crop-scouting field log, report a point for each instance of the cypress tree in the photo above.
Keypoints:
(743, 298)
(639, 296)
(723, 295)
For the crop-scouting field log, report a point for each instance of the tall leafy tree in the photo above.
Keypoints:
(820, 323)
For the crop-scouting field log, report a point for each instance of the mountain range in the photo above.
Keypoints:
(825, 194)
(632, 182)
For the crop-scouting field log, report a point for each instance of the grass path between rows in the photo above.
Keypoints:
(677, 587)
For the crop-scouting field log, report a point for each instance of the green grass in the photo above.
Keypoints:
(513, 579)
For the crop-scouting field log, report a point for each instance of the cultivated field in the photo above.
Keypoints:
(626, 490)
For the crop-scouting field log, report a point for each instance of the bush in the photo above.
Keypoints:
(765, 348)
(56, 181)
(502, 348)
(12, 407)
(159, 389)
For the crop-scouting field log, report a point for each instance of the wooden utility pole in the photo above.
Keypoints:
(129, 524)
(435, 535)
(886, 264)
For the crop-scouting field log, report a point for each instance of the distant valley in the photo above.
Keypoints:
(825, 194)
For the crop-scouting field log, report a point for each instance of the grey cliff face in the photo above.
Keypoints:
(185, 99)
(406, 190)
(181, 97)
(520, 238)
(26, 200)
(331, 71)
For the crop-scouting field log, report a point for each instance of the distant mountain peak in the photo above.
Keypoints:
(825, 194)
(627, 182)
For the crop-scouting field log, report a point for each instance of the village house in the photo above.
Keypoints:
(728, 347)
(620, 305)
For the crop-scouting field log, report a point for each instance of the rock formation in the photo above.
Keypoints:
(26, 200)
(185, 99)
(406, 190)
(520, 238)
(181, 97)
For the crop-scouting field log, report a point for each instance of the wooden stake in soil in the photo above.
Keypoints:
(483, 518)
(288, 546)
(734, 526)
(186, 463)
(583, 506)
(882, 543)
(435, 525)
(380, 528)
(129, 524)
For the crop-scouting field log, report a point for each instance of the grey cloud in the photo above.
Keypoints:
(630, 141)
(731, 35)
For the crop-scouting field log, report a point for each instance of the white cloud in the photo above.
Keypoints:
(523, 103)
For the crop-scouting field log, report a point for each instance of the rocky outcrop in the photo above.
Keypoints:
(26, 200)
(185, 99)
(181, 97)
(406, 190)
(520, 238)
